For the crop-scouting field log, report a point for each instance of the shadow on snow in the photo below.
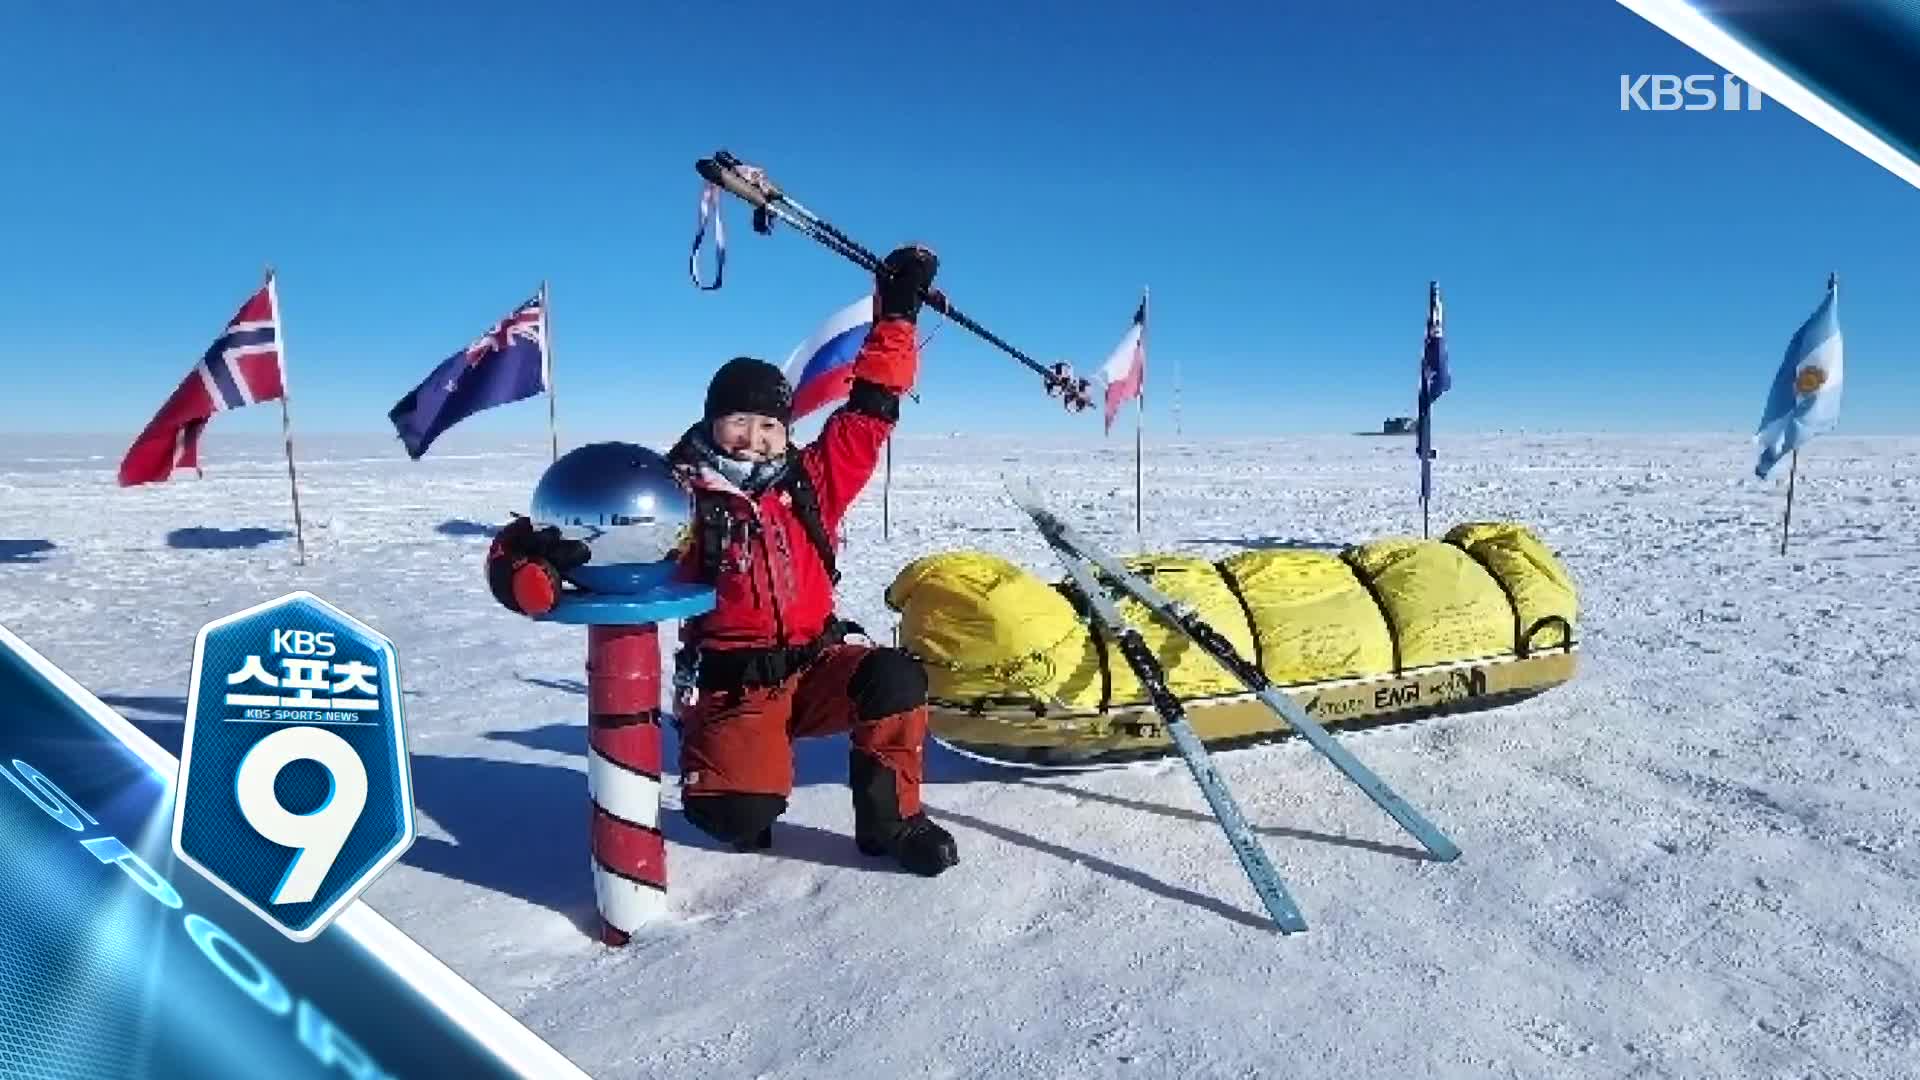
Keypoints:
(200, 538)
(24, 551)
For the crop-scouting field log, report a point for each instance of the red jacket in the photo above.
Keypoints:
(772, 587)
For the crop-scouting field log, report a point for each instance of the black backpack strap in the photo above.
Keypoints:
(713, 522)
(711, 525)
(806, 507)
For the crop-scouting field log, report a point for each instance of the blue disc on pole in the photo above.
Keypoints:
(672, 600)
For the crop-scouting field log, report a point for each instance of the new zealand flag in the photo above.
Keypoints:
(508, 363)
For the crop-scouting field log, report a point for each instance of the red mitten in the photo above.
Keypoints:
(524, 566)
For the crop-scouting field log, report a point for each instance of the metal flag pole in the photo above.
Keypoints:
(546, 373)
(1787, 524)
(286, 415)
(1423, 444)
(1139, 437)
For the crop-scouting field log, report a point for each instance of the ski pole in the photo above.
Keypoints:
(752, 186)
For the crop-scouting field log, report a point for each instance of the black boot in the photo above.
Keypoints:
(878, 829)
(742, 821)
(917, 844)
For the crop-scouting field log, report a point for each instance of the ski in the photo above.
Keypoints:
(1253, 858)
(1063, 538)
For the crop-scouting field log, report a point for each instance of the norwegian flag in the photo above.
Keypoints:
(242, 368)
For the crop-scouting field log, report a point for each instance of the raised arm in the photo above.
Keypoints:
(842, 459)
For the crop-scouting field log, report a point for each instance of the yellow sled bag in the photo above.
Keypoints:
(1312, 618)
(1539, 587)
(987, 628)
(1441, 605)
(1191, 672)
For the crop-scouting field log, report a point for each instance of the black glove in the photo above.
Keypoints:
(524, 566)
(902, 281)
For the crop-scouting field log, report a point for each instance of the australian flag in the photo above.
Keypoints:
(507, 363)
(1435, 380)
(242, 367)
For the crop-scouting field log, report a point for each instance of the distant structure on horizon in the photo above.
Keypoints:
(1397, 425)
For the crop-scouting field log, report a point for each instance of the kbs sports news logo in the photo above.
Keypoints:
(1693, 93)
(294, 789)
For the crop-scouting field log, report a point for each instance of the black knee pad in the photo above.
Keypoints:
(732, 817)
(888, 681)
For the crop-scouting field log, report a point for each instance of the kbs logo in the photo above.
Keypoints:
(294, 790)
(1694, 93)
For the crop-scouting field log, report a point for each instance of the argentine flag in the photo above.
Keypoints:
(1805, 400)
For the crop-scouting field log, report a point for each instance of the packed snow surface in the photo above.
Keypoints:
(1697, 859)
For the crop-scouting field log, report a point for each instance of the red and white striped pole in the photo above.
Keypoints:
(623, 777)
(631, 503)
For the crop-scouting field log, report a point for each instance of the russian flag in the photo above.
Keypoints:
(821, 369)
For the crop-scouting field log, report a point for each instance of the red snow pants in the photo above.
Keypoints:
(741, 740)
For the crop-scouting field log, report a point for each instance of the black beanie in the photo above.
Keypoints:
(746, 385)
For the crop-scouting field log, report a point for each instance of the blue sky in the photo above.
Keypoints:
(1285, 181)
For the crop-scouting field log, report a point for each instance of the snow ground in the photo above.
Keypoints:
(1698, 859)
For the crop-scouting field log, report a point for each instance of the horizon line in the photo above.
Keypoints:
(1117, 439)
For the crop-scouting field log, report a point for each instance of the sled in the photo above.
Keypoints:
(1022, 731)
(1388, 631)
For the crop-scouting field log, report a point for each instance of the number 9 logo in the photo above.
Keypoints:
(319, 834)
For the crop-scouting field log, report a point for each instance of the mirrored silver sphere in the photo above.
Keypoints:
(624, 502)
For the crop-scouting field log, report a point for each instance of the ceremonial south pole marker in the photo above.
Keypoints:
(624, 755)
(294, 790)
(629, 507)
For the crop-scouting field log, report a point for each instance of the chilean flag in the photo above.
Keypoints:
(821, 368)
(242, 368)
(1126, 368)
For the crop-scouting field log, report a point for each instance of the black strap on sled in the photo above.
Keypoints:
(1522, 636)
(1386, 615)
(1547, 622)
(1083, 608)
(1253, 625)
